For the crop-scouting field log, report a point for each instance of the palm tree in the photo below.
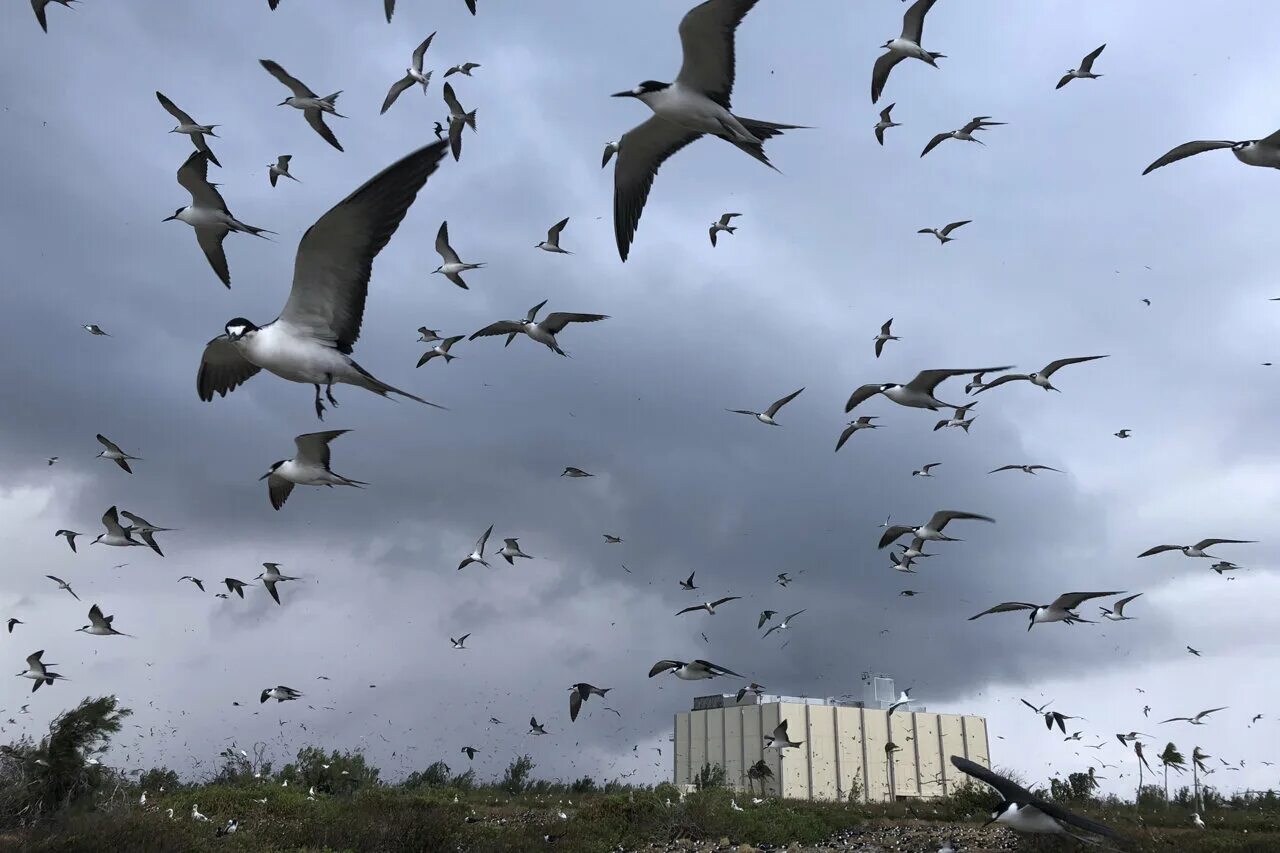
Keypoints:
(1171, 758)
(1197, 767)
(759, 772)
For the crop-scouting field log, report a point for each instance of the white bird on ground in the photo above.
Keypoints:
(722, 225)
(1084, 72)
(1041, 377)
(916, 394)
(1061, 609)
(477, 553)
(767, 416)
(413, 74)
(453, 266)
(310, 467)
(189, 126)
(312, 105)
(552, 243)
(543, 331)
(195, 813)
(1197, 821)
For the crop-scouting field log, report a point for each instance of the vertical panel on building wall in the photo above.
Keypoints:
(769, 716)
(875, 728)
(928, 755)
(952, 744)
(822, 753)
(697, 743)
(795, 766)
(753, 742)
(849, 746)
(975, 732)
(715, 736)
(904, 760)
(681, 758)
(735, 772)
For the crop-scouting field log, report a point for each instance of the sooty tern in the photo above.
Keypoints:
(190, 127)
(312, 105)
(310, 467)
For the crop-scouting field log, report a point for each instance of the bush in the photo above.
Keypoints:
(516, 778)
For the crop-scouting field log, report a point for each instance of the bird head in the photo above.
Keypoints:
(889, 386)
(284, 102)
(648, 87)
(265, 695)
(887, 43)
(274, 466)
(238, 328)
(176, 213)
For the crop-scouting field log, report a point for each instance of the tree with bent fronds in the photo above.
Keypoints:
(1171, 758)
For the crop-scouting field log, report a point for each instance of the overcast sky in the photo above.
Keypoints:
(1067, 239)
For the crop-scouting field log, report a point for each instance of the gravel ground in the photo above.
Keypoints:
(871, 838)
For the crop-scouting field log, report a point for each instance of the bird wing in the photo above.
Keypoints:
(1159, 549)
(389, 7)
(33, 661)
(108, 443)
(483, 540)
(173, 110)
(660, 666)
(1066, 78)
(502, 327)
(335, 256)
(707, 39)
(556, 321)
(1045, 468)
(1209, 543)
(210, 242)
(860, 395)
(1119, 605)
(642, 151)
(451, 100)
(927, 380)
(553, 233)
(39, 7)
(420, 52)
(278, 489)
(933, 143)
(844, 436)
(942, 516)
(282, 162)
(794, 615)
(1273, 139)
(717, 668)
(888, 325)
(295, 85)
(1007, 788)
(773, 410)
(893, 533)
(271, 588)
(443, 248)
(1004, 468)
(1054, 366)
(880, 75)
(1072, 600)
(1001, 380)
(315, 118)
(394, 92)
(884, 116)
(720, 601)
(712, 232)
(954, 225)
(691, 609)
(193, 176)
(222, 368)
(111, 521)
(1006, 607)
(930, 465)
(1210, 711)
(575, 704)
(1086, 64)
(913, 20)
(1188, 149)
(313, 447)
(724, 218)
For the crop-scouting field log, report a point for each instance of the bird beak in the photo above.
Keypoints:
(627, 94)
(265, 476)
(168, 218)
(282, 103)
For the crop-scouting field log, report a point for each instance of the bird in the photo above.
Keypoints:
(1124, 433)
(438, 130)
(779, 739)
(552, 243)
(280, 693)
(1197, 720)
(196, 815)
(909, 593)
(312, 105)
(709, 606)
(464, 69)
(722, 225)
(233, 585)
(1061, 609)
(310, 467)
(1197, 821)
(964, 134)
(230, 828)
(208, 215)
(535, 728)
(1040, 709)
(441, 350)
(39, 672)
(199, 583)
(885, 335)
(733, 804)
(477, 553)
(943, 239)
(453, 265)
(389, 7)
(192, 128)
(885, 122)
(931, 530)
(750, 688)
(511, 550)
(781, 626)
(1052, 718)
(458, 118)
(974, 383)
(14, 621)
(687, 583)
(783, 579)
(1116, 612)
(469, 752)
(115, 454)
(70, 536)
(279, 169)
(925, 471)
(312, 339)
(38, 6)
(580, 693)
(1197, 550)
(611, 539)
(902, 563)
(958, 419)
(1026, 469)
(426, 335)
(695, 104)
(575, 473)
(459, 643)
(694, 670)
(543, 331)
(1125, 739)
(1084, 72)
(1192, 651)
(1041, 377)
(906, 46)
(1223, 566)
(765, 616)
(99, 625)
(1263, 152)
(63, 585)
(413, 74)
(916, 394)
(116, 535)
(144, 529)
(903, 699)
(767, 416)
(271, 577)
(1023, 811)
(95, 330)
(864, 422)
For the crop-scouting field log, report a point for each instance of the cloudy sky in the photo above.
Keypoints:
(1067, 239)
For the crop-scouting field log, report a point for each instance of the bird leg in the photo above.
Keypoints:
(319, 405)
(328, 391)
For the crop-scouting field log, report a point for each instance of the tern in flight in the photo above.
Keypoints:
(63, 585)
(1023, 811)
(916, 394)
(931, 530)
(1197, 720)
(1263, 152)
(115, 454)
(1061, 609)
(864, 422)
(694, 670)
(885, 123)
(781, 626)
(312, 105)
(279, 169)
(580, 693)
(458, 119)
(780, 739)
(767, 416)
(943, 234)
(886, 334)
(552, 243)
(905, 46)
(964, 134)
(100, 626)
(413, 74)
(709, 606)
(1115, 613)
(1041, 377)
(477, 553)
(1197, 550)
(543, 331)
(310, 467)
(271, 577)
(190, 127)
(1084, 72)
(722, 225)
(39, 671)
(453, 266)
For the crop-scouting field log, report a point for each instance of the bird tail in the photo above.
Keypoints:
(761, 130)
(382, 389)
(937, 56)
(946, 240)
(250, 229)
(332, 99)
(731, 229)
(448, 358)
(470, 120)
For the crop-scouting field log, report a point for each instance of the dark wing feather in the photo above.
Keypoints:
(707, 37)
(643, 150)
(222, 369)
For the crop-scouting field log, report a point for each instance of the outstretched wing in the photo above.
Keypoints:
(707, 37)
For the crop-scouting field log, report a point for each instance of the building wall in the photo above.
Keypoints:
(843, 751)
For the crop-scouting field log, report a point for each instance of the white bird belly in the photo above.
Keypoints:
(297, 358)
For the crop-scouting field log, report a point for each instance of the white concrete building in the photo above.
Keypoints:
(849, 749)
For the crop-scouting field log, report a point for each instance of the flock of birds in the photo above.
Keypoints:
(312, 340)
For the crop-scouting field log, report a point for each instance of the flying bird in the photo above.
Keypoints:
(722, 225)
(1116, 612)
(458, 118)
(310, 467)
(964, 134)
(95, 330)
(1026, 469)
(99, 625)
(767, 416)
(1124, 433)
(926, 470)
(1084, 72)
(779, 739)
(1197, 720)
(312, 339)
(695, 670)
(233, 585)
(1192, 651)
(39, 672)
(916, 394)
(477, 553)
(115, 454)
(543, 331)
(1061, 609)
(312, 105)
(552, 243)
(459, 643)
(464, 69)
(1023, 811)
(864, 422)
(765, 616)
(687, 583)
(469, 752)
(575, 473)
(958, 419)
(1200, 549)
(1041, 377)
(63, 585)
(208, 215)
(441, 350)
(280, 693)
(697, 103)
(885, 122)
(70, 536)
(886, 334)
(535, 728)
(413, 74)
(931, 530)
(199, 583)
(14, 621)
(580, 693)
(280, 169)
(271, 577)
(942, 234)
(453, 265)
(511, 550)
(905, 46)
(781, 626)
(116, 535)
(709, 606)
(1263, 152)
(192, 128)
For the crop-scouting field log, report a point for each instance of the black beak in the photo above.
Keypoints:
(168, 218)
(265, 476)
(282, 103)
(627, 94)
